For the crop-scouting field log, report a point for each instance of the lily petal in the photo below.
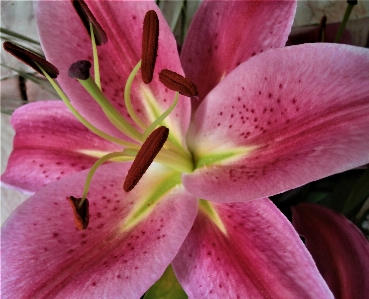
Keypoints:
(259, 256)
(122, 22)
(293, 115)
(50, 143)
(223, 34)
(44, 256)
(338, 247)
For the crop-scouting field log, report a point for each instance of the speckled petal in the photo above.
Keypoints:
(68, 42)
(50, 143)
(259, 256)
(293, 115)
(44, 256)
(340, 250)
(224, 34)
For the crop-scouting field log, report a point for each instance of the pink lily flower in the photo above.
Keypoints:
(267, 120)
(340, 250)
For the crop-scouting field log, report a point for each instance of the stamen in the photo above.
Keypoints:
(87, 17)
(80, 212)
(96, 165)
(95, 56)
(127, 96)
(145, 156)
(80, 70)
(30, 58)
(150, 37)
(178, 83)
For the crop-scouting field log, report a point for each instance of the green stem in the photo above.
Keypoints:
(344, 22)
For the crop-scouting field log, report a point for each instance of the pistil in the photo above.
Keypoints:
(80, 71)
(80, 117)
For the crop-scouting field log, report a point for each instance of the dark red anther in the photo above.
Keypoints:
(145, 156)
(87, 17)
(150, 37)
(81, 213)
(178, 83)
(29, 58)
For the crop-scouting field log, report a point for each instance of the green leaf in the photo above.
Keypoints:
(16, 35)
(167, 287)
(363, 223)
(171, 11)
(358, 194)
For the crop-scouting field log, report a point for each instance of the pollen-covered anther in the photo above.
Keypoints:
(81, 213)
(176, 82)
(30, 58)
(87, 17)
(145, 156)
(150, 37)
(80, 70)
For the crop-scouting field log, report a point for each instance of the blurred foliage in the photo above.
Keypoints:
(167, 287)
(179, 14)
(344, 192)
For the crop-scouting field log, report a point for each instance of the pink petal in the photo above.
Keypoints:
(259, 256)
(294, 115)
(224, 34)
(44, 256)
(68, 41)
(49, 145)
(338, 247)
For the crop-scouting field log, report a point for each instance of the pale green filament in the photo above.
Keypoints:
(112, 114)
(161, 117)
(127, 96)
(96, 57)
(81, 118)
(94, 168)
(130, 152)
